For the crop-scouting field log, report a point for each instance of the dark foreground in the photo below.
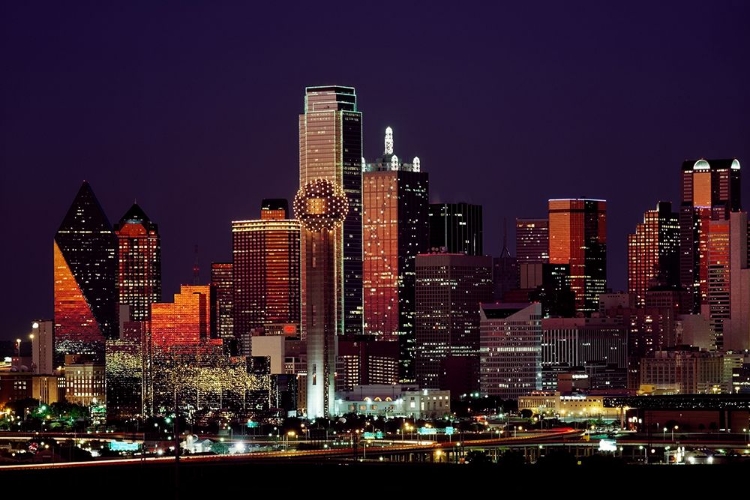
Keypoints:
(189, 481)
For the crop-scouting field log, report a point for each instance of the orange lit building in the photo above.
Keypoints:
(85, 266)
(395, 201)
(139, 263)
(710, 191)
(578, 237)
(185, 321)
(266, 274)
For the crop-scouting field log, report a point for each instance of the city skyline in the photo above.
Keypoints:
(192, 116)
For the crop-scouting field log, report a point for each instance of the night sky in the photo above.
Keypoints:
(191, 109)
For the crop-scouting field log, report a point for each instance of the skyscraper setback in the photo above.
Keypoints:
(330, 147)
(85, 267)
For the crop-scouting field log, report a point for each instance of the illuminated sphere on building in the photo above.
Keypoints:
(320, 204)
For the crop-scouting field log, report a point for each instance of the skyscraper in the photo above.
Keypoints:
(222, 281)
(710, 191)
(654, 252)
(85, 292)
(139, 263)
(321, 207)
(449, 289)
(395, 200)
(578, 237)
(265, 274)
(330, 138)
(532, 240)
(456, 228)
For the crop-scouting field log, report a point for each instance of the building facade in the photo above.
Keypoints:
(85, 268)
(654, 252)
(449, 289)
(395, 200)
(330, 147)
(456, 228)
(510, 349)
(578, 238)
(266, 275)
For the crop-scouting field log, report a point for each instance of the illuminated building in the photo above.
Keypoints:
(266, 275)
(510, 349)
(456, 228)
(578, 238)
(222, 281)
(532, 240)
(139, 263)
(84, 380)
(330, 147)
(185, 321)
(729, 283)
(85, 291)
(363, 360)
(654, 252)
(449, 289)
(42, 347)
(568, 343)
(395, 200)
(710, 191)
(321, 206)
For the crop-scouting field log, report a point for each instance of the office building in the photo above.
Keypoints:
(85, 270)
(395, 200)
(266, 275)
(449, 289)
(654, 252)
(321, 207)
(330, 147)
(532, 241)
(42, 347)
(510, 349)
(578, 238)
(456, 228)
(710, 191)
(139, 263)
(185, 321)
(222, 282)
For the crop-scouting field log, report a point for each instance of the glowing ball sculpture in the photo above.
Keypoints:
(320, 204)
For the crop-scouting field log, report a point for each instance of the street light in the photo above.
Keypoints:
(673, 428)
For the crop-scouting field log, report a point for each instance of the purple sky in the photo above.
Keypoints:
(191, 109)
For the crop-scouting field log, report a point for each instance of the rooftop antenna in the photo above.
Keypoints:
(505, 252)
(196, 269)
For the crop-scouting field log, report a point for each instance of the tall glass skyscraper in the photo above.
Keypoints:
(395, 200)
(85, 267)
(578, 238)
(265, 274)
(654, 252)
(710, 192)
(456, 228)
(330, 147)
(139, 263)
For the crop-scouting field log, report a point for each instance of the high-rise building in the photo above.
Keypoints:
(139, 263)
(510, 349)
(505, 272)
(266, 275)
(710, 191)
(456, 228)
(42, 347)
(532, 241)
(330, 147)
(654, 252)
(321, 207)
(222, 282)
(85, 268)
(449, 289)
(578, 237)
(395, 199)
